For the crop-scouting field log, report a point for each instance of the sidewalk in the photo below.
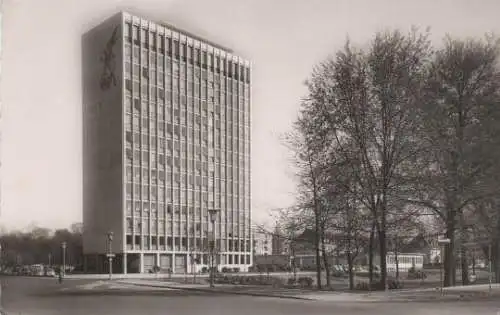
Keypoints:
(175, 275)
(416, 295)
(265, 291)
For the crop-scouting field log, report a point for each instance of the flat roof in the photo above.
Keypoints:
(194, 36)
(184, 32)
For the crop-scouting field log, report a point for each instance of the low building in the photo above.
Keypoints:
(262, 242)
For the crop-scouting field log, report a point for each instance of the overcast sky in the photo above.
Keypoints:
(41, 89)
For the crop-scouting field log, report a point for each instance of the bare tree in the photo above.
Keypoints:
(364, 104)
(310, 162)
(459, 123)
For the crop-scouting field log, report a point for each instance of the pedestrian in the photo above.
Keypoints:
(60, 276)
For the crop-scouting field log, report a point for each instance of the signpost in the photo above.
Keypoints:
(442, 242)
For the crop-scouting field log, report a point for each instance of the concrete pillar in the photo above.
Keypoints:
(85, 264)
(173, 263)
(157, 259)
(141, 263)
(124, 262)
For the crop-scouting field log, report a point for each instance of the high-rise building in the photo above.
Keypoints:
(1, 109)
(166, 139)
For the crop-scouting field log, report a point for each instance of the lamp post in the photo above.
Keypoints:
(110, 254)
(63, 246)
(212, 216)
(489, 268)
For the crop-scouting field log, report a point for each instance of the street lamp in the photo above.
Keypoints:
(110, 254)
(212, 216)
(1, 262)
(63, 246)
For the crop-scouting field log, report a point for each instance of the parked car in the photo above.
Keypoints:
(49, 272)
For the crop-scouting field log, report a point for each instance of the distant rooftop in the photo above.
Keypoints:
(184, 32)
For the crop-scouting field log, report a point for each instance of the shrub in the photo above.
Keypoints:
(277, 282)
(394, 285)
(204, 270)
(225, 270)
(362, 286)
(306, 282)
(291, 281)
(365, 286)
(245, 280)
(416, 274)
(378, 286)
(236, 269)
(337, 274)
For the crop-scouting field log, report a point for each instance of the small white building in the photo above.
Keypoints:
(262, 242)
(405, 261)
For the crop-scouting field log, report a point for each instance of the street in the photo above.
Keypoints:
(41, 296)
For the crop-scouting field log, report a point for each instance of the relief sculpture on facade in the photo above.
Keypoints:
(108, 58)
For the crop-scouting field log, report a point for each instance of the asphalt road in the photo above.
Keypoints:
(26, 296)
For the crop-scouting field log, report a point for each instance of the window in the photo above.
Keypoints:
(189, 53)
(128, 32)
(204, 59)
(197, 56)
(176, 49)
(128, 84)
(230, 69)
(137, 34)
(152, 40)
(144, 38)
(247, 75)
(184, 52)
(168, 46)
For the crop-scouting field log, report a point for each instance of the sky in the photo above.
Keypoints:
(40, 83)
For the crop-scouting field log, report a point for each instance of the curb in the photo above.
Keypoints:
(225, 292)
(436, 298)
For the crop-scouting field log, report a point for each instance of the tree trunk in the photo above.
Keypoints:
(383, 255)
(465, 267)
(396, 258)
(351, 269)
(495, 252)
(325, 260)
(463, 251)
(449, 257)
(317, 227)
(318, 255)
(371, 249)
(294, 262)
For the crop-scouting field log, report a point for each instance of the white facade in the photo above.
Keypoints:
(262, 243)
(404, 262)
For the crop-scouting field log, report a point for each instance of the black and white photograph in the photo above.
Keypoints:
(248, 157)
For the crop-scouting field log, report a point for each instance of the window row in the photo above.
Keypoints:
(184, 96)
(222, 121)
(190, 105)
(172, 71)
(184, 51)
(196, 243)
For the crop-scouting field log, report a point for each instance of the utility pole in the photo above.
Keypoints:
(213, 217)
(62, 273)
(489, 267)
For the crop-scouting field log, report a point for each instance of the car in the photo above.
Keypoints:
(49, 272)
